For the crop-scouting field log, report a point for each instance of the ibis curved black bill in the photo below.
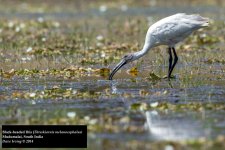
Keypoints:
(118, 66)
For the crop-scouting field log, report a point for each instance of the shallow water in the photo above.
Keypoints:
(156, 124)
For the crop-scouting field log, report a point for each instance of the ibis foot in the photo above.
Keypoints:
(171, 77)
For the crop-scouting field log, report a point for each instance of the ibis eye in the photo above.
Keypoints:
(128, 57)
(125, 56)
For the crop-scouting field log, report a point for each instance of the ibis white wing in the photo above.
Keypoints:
(174, 29)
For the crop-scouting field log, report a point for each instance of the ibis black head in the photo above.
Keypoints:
(126, 59)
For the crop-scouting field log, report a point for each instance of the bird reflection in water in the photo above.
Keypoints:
(168, 126)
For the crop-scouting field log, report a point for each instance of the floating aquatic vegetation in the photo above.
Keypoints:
(153, 77)
(202, 39)
(144, 92)
(215, 60)
(133, 71)
(177, 107)
(55, 93)
(103, 71)
(70, 72)
(8, 74)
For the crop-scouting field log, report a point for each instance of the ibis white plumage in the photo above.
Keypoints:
(167, 31)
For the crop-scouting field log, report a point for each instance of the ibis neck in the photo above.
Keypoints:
(144, 50)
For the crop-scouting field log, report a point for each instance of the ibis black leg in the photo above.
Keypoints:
(174, 62)
(170, 60)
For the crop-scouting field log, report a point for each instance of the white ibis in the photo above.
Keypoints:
(167, 31)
